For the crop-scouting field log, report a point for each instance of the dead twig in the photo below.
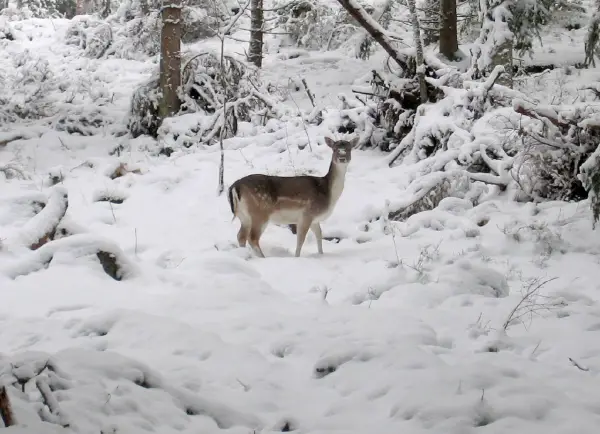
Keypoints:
(578, 366)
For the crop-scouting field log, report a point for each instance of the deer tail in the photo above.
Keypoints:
(233, 198)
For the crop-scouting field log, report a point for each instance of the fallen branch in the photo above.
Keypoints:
(55, 414)
(6, 141)
(578, 366)
(549, 114)
(6, 412)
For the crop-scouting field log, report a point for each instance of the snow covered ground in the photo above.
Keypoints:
(398, 327)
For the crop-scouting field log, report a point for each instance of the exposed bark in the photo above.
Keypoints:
(170, 58)
(256, 33)
(6, 412)
(375, 30)
(419, 48)
(504, 56)
(448, 29)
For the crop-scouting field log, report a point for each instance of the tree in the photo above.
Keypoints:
(508, 25)
(170, 58)
(419, 49)
(256, 32)
(448, 29)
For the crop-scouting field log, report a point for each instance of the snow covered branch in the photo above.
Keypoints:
(42, 227)
(111, 257)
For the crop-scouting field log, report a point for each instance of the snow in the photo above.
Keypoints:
(398, 327)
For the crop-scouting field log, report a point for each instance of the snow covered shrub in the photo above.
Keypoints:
(550, 174)
(86, 121)
(138, 37)
(206, 87)
(51, 8)
(76, 32)
(313, 25)
(26, 94)
(143, 113)
(198, 24)
(559, 144)
(98, 41)
(89, 34)
(138, 32)
(6, 31)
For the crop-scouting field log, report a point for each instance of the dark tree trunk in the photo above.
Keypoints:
(170, 58)
(448, 29)
(256, 33)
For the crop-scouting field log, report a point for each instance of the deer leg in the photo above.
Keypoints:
(316, 228)
(255, 233)
(243, 234)
(301, 230)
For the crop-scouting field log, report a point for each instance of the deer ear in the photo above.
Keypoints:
(329, 142)
(354, 141)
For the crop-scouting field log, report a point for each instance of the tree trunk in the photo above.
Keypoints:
(256, 32)
(419, 49)
(79, 7)
(430, 22)
(448, 29)
(357, 12)
(504, 56)
(170, 58)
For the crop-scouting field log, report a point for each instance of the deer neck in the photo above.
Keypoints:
(336, 177)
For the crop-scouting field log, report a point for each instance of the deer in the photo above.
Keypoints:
(304, 201)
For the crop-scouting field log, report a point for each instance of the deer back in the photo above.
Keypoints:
(283, 199)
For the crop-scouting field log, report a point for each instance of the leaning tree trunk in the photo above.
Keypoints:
(256, 33)
(419, 49)
(448, 29)
(374, 29)
(170, 58)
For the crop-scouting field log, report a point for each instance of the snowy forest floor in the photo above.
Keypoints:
(398, 327)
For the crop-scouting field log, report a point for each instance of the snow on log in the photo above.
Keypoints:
(111, 257)
(42, 227)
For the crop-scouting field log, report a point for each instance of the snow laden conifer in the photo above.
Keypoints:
(508, 25)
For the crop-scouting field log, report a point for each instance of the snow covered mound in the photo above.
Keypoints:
(127, 307)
